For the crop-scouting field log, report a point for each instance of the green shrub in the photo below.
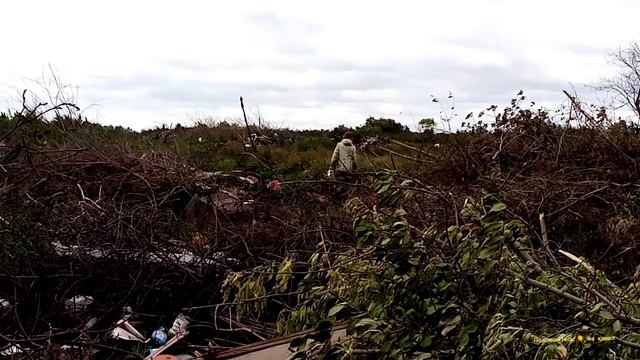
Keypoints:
(381, 126)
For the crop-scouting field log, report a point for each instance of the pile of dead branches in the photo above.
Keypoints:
(85, 219)
(579, 171)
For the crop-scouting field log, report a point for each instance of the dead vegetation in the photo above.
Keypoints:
(513, 239)
(148, 233)
(156, 235)
(579, 169)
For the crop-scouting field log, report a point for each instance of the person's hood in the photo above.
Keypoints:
(347, 142)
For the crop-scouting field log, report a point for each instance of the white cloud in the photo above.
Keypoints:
(308, 64)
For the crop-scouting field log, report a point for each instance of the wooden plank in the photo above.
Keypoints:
(339, 330)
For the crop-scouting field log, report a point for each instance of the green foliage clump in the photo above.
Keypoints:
(428, 125)
(17, 240)
(474, 291)
(381, 126)
(314, 143)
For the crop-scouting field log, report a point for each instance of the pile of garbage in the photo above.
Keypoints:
(162, 338)
(134, 334)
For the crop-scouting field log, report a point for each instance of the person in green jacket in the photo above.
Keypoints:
(344, 161)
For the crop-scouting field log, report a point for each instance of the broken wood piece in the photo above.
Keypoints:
(571, 256)
(545, 241)
(173, 340)
(128, 328)
(122, 334)
(578, 260)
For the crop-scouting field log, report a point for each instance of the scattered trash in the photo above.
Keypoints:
(275, 185)
(249, 179)
(244, 176)
(131, 266)
(173, 340)
(126, 331)
(183, 258)
(127, 313)
(159, 336)
(64, 250)
(91, 323)
(122, 334)
(203, 187)
(187, 258)
(70, 347)
(78, 303)
(4, 304)
(225, 201)
(12, 351)
(179, 324)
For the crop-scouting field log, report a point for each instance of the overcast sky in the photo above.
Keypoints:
(307, 64)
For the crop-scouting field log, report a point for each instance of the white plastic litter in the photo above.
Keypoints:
(70, 347)
(125, 331)
(74, 250)
(78, 303)
(185, 257)
(11, 351)
(159, 336)
(127, 313)
(179, 324)
(4, 304)
(90, 323)
(122, 334)
(249, 179)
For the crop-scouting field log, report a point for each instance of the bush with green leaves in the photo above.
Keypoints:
(427, 125)
(408, 291)
(381, 126)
